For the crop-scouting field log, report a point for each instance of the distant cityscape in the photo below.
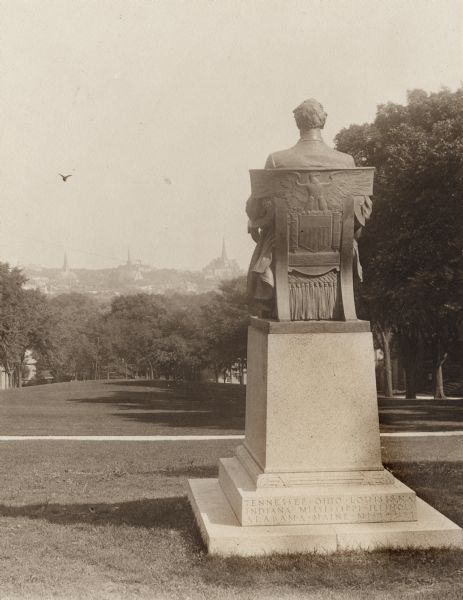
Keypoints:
(131, 277)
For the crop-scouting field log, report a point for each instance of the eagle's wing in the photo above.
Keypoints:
(343, 185)
(295, 193)
(334, 193)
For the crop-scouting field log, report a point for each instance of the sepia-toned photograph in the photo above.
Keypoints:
(231, 300)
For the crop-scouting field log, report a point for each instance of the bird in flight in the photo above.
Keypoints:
(65, 177)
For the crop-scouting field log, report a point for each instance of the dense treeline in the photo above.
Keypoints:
(412, 249)
(74, 337)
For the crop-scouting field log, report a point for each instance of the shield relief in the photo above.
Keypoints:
(315, 232)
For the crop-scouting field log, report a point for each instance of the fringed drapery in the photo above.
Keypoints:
(313, 298)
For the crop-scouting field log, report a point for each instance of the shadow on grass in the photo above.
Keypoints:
(172, 513)
(222, 406)
(440, 484)
(421, 414)
(169, 404)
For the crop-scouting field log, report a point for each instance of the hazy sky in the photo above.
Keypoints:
(128, 95)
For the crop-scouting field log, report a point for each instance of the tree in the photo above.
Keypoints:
(34, 332)
(159, 335)
(75, 337)
(23, 322)
(11, 297)
(134, 326)
(225, 323)
(412, 248)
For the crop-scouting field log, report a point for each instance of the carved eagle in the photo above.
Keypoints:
(321, 190)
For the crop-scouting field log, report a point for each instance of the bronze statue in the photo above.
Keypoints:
(309, 153)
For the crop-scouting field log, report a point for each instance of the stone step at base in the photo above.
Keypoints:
(315, 504)
(224, 536)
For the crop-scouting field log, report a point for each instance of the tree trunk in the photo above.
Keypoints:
(409, 350)
(439, 393)
(410, 379)
(439, 359)
(386, 336)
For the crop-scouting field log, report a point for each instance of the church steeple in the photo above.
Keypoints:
(66, 279)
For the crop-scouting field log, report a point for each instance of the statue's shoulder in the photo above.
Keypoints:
(346, 158)
(309, 155)
(282, 158)
(333, 158)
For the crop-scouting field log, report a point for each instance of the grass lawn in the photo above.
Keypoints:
(123, 408)
(166, 408)
(111, 520)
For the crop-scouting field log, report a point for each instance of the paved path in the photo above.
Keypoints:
(421, 433)
(189, 438)
(120, 438)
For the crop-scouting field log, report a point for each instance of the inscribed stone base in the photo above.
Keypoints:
(314, 504)
(224, 536)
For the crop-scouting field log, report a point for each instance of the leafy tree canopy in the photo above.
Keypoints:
(412, 249)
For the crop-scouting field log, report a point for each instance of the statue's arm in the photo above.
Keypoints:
(362, 209)
(260, 210)
(253, 231)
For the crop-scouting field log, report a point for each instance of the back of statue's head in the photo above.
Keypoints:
(310, 115)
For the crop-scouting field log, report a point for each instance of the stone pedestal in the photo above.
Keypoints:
(310, 464)
(311, 398)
